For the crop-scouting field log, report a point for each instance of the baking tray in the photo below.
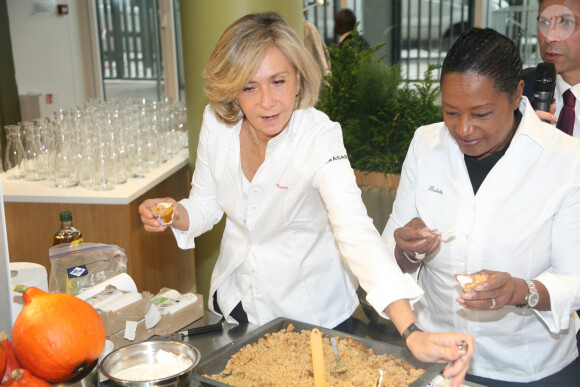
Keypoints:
(216, 362)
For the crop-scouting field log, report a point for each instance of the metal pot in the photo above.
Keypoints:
(144, 353)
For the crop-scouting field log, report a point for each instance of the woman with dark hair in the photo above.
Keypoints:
(493, 191)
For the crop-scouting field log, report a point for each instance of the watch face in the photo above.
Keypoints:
(533, 300)
(533, 297)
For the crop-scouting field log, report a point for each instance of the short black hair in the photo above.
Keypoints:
(484, 51)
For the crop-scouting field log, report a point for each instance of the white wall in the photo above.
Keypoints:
(54, 54)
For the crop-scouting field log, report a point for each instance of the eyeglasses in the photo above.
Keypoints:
(556, 26)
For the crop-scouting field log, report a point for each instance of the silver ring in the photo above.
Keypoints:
(418, 260)
(492, 303)
(420, 256)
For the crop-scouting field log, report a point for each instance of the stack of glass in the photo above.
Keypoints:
(98, 145)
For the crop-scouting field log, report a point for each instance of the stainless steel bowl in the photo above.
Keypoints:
(144, 352)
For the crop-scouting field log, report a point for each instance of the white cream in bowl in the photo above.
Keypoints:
(165, 364)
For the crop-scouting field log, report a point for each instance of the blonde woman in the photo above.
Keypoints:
(296, 227)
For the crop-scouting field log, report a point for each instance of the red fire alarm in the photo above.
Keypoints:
(62, 9)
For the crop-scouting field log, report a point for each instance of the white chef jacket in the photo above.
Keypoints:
(304, 220)
(524, 220)
(561, 87)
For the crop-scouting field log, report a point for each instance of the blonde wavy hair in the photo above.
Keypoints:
(240, 51)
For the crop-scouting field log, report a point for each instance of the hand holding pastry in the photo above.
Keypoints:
(166, 208)
(486, 290)
(164, 212)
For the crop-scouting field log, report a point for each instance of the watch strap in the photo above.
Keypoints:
(531, 289)
(410, 329)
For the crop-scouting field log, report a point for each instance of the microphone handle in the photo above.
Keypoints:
(542, 105)
(542, 100)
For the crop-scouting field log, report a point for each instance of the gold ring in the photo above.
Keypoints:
(463, 347)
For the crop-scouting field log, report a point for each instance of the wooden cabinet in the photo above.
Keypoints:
(154, 260)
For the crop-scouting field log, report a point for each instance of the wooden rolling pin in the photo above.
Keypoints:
(317, 358)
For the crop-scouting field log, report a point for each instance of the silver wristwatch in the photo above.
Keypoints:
(532, 297)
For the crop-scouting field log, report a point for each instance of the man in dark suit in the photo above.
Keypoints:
(559, 40)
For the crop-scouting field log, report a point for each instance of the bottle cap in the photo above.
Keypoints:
(66, 216)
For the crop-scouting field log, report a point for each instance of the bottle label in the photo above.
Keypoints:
(77, 271)
(77, 242)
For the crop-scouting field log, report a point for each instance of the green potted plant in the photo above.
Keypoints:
(378, 111)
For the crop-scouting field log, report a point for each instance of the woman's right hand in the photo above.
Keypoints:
(455, 348)
(150, 223)
(415, 238)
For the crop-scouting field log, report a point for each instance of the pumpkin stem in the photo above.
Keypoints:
(20, 288)
(3, 336)
(80, 368)
(17, 373)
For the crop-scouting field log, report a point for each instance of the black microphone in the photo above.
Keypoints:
(544, 84)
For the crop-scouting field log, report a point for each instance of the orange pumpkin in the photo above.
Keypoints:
(11, 362)
(2, 361)
(24, 378)
(56, 336)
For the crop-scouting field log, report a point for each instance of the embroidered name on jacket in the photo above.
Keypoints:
(335, 158)
(436, 190)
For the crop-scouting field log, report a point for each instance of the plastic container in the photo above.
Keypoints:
(29, 274)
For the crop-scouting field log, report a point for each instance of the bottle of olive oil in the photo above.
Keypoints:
(67, 233)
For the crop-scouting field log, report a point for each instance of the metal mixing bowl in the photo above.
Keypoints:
(139, 353)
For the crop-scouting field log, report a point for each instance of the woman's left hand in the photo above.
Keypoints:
(441, 348)
(496, 292)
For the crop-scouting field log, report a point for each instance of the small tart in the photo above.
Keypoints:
(164, 212)
(468, 282)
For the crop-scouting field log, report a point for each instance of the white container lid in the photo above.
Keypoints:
(29, 274)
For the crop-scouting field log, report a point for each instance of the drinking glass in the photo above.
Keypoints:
(14, 156)
(65, 169)
(102, 167)
(118, 150)
(182, 126)
(137, 145)
(44, 149)
(33, 171)
(47, 145)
